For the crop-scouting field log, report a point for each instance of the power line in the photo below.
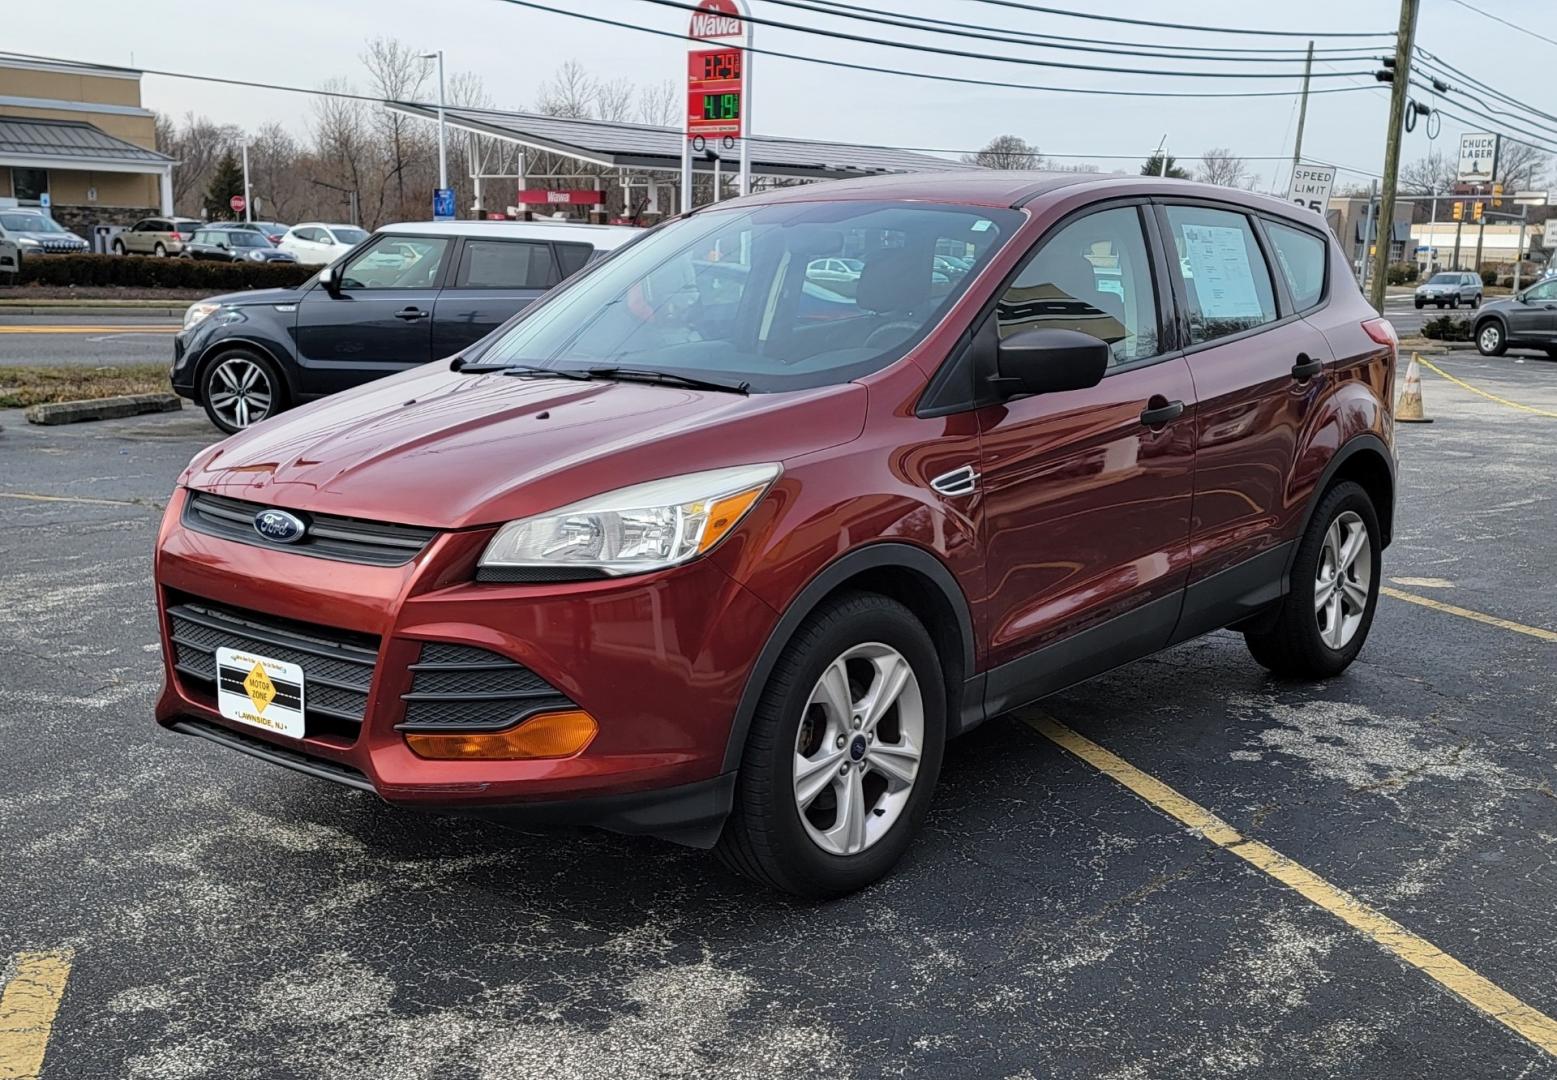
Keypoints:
(1505, 22)
(1186, 26)
(1433, 61)
(1485, 121)
(532, 5)
(937, 50)
(1296, 53)
(977, 32)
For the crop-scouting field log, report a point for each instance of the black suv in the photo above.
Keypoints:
(408, 294)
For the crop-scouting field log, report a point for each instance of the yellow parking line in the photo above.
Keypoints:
(1467, 613)
(1474, 989)
(89, 329)
(1430, 366)
(27, 1011)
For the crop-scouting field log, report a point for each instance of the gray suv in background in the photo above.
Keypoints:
(36, 233)
(1451, 288)
(1527, 320)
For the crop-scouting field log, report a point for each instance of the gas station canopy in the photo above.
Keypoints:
(645, 147)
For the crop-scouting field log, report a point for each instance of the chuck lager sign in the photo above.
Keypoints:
(716, 19)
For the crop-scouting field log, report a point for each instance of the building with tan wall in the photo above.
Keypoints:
(76, 139)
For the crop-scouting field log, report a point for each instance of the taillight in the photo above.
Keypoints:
(1382, 331)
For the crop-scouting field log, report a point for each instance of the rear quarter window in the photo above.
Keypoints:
(573, 257)
(1302, 257)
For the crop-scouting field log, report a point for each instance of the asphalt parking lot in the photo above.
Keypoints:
(198, 915)
(85, 339)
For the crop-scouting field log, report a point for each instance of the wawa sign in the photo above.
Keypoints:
(715, 20)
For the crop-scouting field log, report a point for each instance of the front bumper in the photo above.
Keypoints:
(659, 661)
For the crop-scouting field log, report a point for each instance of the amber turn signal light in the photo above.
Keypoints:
(550, 735)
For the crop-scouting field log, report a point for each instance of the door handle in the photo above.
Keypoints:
(410, 314)
(1306, 368)
(1159, 411)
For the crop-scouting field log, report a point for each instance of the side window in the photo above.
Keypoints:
(395, 262)
(573, 257)
(505, 264)
(143, 226)
(1302, 257)
(311, 235)
(1094, 276)
(1226, 282)
(1546, 291)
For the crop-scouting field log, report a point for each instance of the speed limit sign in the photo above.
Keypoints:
(1311, 186)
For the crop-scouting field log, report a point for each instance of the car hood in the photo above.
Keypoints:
(436, 448)
(255, 297)
(45, 237)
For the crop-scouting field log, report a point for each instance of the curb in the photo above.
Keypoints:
(91, 301)
(161, 310)
(108, 408)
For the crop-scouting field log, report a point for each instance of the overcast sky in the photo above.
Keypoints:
(303, 42)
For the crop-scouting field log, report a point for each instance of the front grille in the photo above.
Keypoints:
(463, 688)
(337, 664)
(328, 536)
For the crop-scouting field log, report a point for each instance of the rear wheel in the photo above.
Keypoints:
(843, 753)
(1420, 303)
(240, 388)
(1325, 617)
(1490, 339)
(118, 247)
(1475, 301)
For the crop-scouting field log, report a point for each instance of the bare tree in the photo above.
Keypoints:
(1222, 167)
(396, 73)
(569, 93)
(1430, 175)
(275, 179)
(342, 144)
(197, 145)
(1522, 166)
(1004, 152)
(659, 104)
(614, 99)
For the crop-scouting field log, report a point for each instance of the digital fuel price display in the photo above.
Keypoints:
(715, 87)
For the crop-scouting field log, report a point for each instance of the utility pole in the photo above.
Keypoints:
(1405, 40)
(1519, 253)
(248, 199)
(1369, 235)
(1297, 145)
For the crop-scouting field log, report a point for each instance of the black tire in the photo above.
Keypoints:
(278, 400)
(1491, 339)
(764, 838)
(1454, 301)
(1475, 302)
(1420, 303)
(1293, 647)
(1439, 305)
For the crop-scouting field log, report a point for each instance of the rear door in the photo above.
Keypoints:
(1087, 493)
(494, 279)
(1259, 369)
(380, 319)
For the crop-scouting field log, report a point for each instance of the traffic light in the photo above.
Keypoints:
(1497, 194)
(1459, 211)
(1476, 211)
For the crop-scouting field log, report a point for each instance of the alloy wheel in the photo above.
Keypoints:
(240, 392)
(858, 748)
(1343, 581)
(1490, 338)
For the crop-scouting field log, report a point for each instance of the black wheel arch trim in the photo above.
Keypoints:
(227, 344)
(870, 557)
(1365, 443)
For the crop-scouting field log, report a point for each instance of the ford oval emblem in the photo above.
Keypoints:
(279, 527)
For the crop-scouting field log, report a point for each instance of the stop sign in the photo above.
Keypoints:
(237, 203)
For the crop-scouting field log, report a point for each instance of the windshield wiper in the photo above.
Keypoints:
(523, 370)
(668, 378)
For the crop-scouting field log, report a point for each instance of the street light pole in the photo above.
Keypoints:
(443, 139)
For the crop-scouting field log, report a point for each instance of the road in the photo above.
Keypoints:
(197, 914)
(81, 339)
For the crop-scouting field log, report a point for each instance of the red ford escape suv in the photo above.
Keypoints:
(712, 545)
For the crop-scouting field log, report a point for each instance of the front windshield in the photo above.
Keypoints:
(781, 296)
(350, 236)
(1445, 279)
(29, 223)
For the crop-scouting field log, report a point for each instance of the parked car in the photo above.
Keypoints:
(228, 243)
(668, 556)
(1450, 288)
(273, 231)
(409, 294)
(156, 236)
(36, 233)
(834, 270)
(317, 244)
(1527, 320)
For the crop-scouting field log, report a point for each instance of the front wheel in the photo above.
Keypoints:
(1329, 608)
(118, 247)
(1420, 303)
(159, 250)
(1475, 301)
(1490, 340)
(843, 752)
(1454, 302)
(240, 388)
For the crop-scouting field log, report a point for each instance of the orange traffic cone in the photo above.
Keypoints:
(1409, 411)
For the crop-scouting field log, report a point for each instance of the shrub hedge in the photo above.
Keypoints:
(150, 272)
(1401, 273)
(1447, 328)
(1489, 278)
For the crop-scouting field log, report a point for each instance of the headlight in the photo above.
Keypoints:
(197, 312)
(631, 531)
(27, 241)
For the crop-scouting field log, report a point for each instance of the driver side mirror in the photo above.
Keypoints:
(331, 279)
(1048, 361)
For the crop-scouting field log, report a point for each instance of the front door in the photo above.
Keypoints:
(1533, 316)
(1086, 493)
(494, 279)
(379, 320)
